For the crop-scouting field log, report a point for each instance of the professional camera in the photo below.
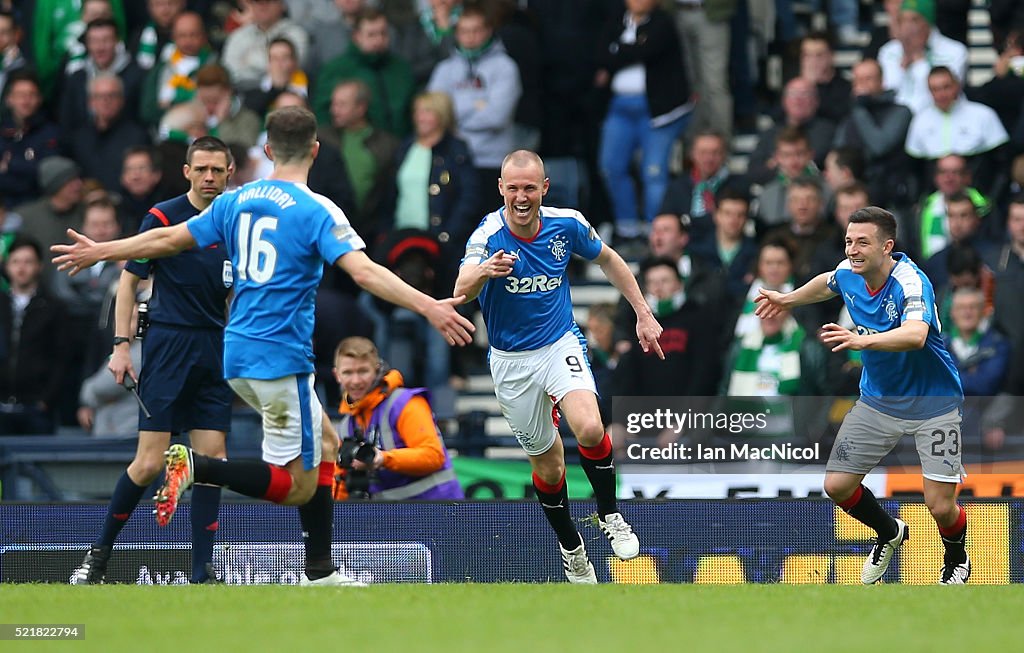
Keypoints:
(357, 481)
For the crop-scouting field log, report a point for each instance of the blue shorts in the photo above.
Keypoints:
(182, 380)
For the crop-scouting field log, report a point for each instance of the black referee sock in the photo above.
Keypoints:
(554, 499)
(122, 502)
(864, 507)
(317, 518)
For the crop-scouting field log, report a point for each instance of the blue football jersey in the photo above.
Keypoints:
(278, 235)
(190, 288)
(915, 384)
(531, 307)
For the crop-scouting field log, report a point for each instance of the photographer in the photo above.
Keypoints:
(391, 448)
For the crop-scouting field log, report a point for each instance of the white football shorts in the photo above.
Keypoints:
(528, 384)
(292, 417)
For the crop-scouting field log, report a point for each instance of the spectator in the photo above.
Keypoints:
(953, 124)
(26, 138)
(517, 30)
(57, 26)
(848, 198)
(981, 355)
(690, 341)
(47, 219)
(337, 316)
(172, 80)
(83, 294)
(774, 271)
(246, 49)
(224, 116)
(368, 153)
(806, 228)
(793, 160)
(308, 14)
(817, 64)
(11, 56)
(1003, 16)
(964, 269)
(105, 53)
(483, 82)
(951, 177)
(330, 38)
(705, 34)
(140, 187)
(104, 408)
(843, 166)
(907, 59)
(1005, 91)
(777, 359)
(882, 34)
(964, 226)
(436, 187)
(283, 75)
(147, 44)
(669, 239)
(370, 60)
(409, 459)
(877, 126)
(640, 62)
(602, 354)
(732, 253)
(693, 193)
(800, 107)
(100, 143)
(32, 358)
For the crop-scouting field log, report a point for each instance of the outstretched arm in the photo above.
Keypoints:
(154, 243)
(648, 330)
(771, 302)
(382, 282)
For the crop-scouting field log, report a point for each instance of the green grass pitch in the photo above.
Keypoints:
(523, 618)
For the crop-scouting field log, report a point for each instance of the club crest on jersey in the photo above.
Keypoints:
(559, 246)
(890, 309)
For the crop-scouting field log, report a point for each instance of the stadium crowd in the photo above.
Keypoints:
(418, 102)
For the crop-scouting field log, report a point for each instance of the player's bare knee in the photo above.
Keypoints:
(591, 434)
(838, 489)
(940, 507)
(551, 472)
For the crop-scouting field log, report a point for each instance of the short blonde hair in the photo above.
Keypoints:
(441, 104)
(357, 347)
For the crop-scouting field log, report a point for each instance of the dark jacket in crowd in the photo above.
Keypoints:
(454, 190)
(660, 51)
(100, 153)
(32, 357)
(878, 127)
(693, 358)
(74, 95)
(21, 150)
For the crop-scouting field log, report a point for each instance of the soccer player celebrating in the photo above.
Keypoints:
(515, 262)
(909, 384)
(181, 378)
(277, 233)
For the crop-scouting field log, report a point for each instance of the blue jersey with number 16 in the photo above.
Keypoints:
(278, 235)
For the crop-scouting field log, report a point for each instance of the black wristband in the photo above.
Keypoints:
(119, 340)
